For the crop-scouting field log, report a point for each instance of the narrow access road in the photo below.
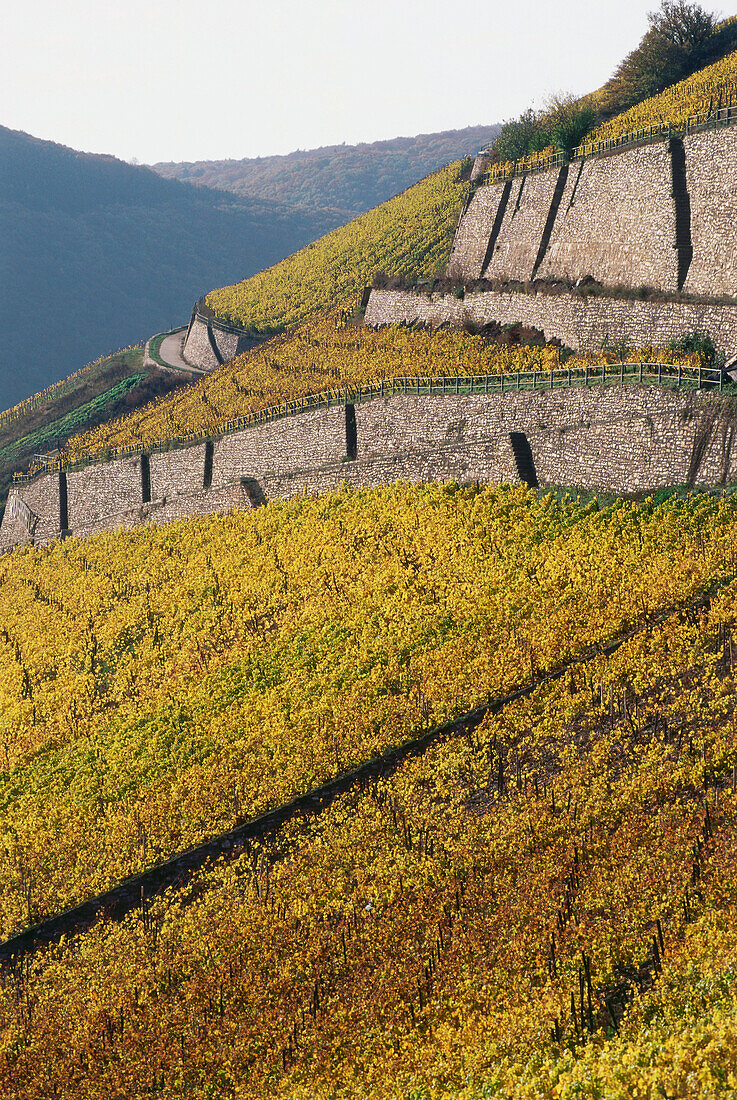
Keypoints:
(170, 353)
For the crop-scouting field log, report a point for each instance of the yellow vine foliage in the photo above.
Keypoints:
(319, 355)
(408, 235)
(697, 94)
(429, 935)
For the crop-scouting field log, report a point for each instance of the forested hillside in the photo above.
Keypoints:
(97, 254)
(348, 179)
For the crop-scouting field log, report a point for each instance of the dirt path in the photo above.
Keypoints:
(170, 353)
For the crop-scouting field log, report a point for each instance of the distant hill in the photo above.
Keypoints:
(345, 179)
(97, 254)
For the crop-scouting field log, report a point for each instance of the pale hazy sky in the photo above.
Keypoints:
(186, 80)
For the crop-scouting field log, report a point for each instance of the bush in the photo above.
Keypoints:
(697, 343)
(569, 120)
(682, 37)
(522, 136)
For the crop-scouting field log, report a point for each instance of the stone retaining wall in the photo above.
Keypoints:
(521, 231)
(208, 344)
(616, 222)
(624, 218)
(712, 188)
(585, 323)
(623, 439)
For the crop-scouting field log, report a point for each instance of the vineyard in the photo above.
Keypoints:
(544, 906)
(409, 235)
(537, 899)
(707, 90)
(322, 354)
(704, 93)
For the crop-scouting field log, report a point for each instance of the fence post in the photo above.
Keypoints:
(641, 372)
(586, 376)
(680, 371)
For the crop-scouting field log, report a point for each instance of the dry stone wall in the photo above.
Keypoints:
(623, 439)
(198, 349)
(662, 215)
(616, 222)
(310, 439)
(95, 493)
(34, 515)
(173, 473)
(711, 159)
(210, 343)
(520, 236)
(477, 231)
(585, 323)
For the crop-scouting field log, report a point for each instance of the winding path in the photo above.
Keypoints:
(170, 353)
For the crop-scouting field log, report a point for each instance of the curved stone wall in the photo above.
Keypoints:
(209, 343)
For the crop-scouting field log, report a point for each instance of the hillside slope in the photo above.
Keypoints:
(98, 254)
(94, 395)
(408, 235)
(348, 179)
(324, 354)
(542, 907)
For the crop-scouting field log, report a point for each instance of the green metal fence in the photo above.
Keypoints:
(706, 120)
(685, 377)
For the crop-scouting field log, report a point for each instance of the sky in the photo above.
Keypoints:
(160, 80)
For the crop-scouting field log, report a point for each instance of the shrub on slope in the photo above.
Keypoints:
(705, 90)
(699, 93)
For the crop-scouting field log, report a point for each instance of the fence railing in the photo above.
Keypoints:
(206, 314)
(710, 119)
(683, 376)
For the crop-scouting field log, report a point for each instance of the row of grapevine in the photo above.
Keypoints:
(543, 908)
(693, 100)
(158, 685)
(408, 235)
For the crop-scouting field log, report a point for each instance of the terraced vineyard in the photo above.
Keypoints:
(706, 90)
(424, 936)
(323, 354)
(409, 235)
